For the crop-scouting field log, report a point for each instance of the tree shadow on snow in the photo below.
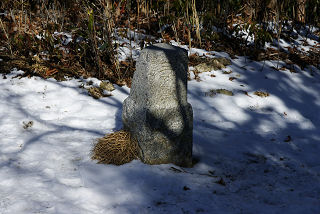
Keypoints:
(240, 169)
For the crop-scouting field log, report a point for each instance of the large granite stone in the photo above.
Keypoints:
(157, 112)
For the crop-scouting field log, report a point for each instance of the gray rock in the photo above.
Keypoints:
(157, 112)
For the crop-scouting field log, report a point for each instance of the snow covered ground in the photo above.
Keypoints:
(255, 154)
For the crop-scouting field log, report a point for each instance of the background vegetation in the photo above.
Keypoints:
(28, 39)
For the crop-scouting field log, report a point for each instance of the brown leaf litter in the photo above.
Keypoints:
(261, 93)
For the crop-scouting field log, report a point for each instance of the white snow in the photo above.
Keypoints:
(66, 37)
(265, 150)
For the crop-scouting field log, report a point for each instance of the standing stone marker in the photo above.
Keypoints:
(156, 112)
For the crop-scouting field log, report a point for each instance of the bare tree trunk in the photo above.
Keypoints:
(301, 11)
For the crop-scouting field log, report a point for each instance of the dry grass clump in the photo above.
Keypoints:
(116, 148)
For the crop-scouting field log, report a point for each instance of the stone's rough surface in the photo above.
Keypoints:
(157, 112)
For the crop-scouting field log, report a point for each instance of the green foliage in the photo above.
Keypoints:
(90, 20)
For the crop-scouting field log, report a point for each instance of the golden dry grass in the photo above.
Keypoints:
(116, 148)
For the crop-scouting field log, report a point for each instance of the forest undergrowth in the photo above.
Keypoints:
(81, 38)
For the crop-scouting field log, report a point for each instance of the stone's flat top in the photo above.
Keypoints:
(164, 48)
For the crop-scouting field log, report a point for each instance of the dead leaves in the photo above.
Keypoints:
(210, 64)
(224, 91)
(213, 92)
(261, 93)
(227, 72)
(221, 182)
(50, 72)
(288, 139)
(246, 93)
(176, 170)
(106, 86)
(27, 125)
(206, 64)
(97, 93)
(185, 188)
